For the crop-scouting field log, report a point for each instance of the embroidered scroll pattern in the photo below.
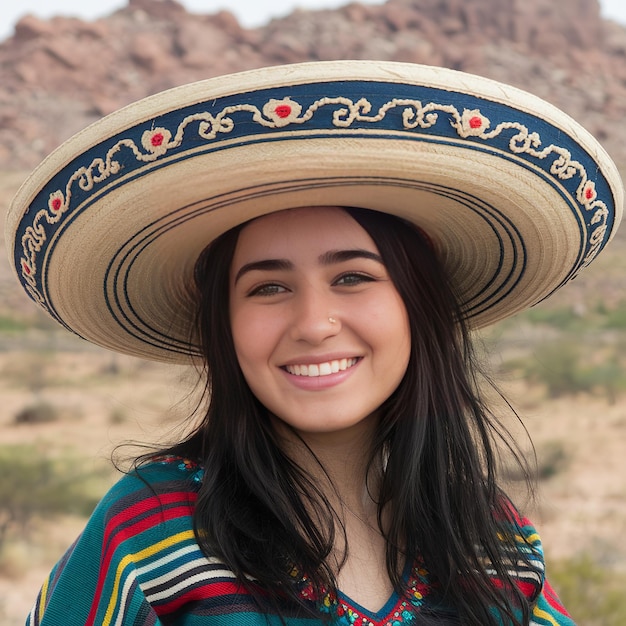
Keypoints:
(276, 114)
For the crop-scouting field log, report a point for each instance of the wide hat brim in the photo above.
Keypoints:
(516, 196)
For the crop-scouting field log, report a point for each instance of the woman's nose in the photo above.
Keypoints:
(315, 317)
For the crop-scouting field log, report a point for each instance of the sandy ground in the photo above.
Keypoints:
(98, 411)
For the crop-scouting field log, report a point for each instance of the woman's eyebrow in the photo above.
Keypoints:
(328, 258)
(265, 264)
(339, 256)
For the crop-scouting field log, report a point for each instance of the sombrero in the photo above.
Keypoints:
(516, 196)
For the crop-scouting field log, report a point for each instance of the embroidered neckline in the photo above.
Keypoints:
(396, 611)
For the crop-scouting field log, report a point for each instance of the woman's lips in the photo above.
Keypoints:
(320, 376)
(325, 368)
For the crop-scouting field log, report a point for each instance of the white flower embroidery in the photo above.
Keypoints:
(588, 193)
(56, 202)
(156, 140)
(473, 123)
(282, 112)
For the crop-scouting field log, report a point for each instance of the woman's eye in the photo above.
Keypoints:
(353, 278)
(269, 289)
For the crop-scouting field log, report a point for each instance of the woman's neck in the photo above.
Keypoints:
(341, 466)
(339, 463)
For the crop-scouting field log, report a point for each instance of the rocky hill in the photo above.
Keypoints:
(58, 75)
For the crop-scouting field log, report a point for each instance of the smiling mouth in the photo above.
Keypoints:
(321, 369)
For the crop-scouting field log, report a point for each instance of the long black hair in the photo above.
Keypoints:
(261, 513)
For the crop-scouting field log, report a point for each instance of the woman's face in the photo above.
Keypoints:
(321, 334)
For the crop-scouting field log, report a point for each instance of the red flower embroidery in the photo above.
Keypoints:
(56, 201)
(283, 110)
(476, 122)
(473, 123)
(156, 140)
(588, 192)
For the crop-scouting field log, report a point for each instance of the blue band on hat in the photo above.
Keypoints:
(364, 109)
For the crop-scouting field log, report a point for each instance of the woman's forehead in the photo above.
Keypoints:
(301, 230)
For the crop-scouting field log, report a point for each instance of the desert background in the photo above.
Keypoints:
(66, 406)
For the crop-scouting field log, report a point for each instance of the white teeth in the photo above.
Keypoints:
(321, 369)
(325, 369)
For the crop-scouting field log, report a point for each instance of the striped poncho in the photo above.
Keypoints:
(137, 563)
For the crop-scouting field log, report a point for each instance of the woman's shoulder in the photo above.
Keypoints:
(163, 469)
(148, 511)
(524, 533)
(159, 484)
(138, 561)
(547, 608)
(522, 548)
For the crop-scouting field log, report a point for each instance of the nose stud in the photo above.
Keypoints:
(332, 320)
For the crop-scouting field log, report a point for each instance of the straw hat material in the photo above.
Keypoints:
(516, 196)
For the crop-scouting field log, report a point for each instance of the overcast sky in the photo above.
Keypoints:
(249, 12)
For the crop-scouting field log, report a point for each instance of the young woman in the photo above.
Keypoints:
(345, 468)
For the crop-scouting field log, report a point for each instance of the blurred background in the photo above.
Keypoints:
(67, 406)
